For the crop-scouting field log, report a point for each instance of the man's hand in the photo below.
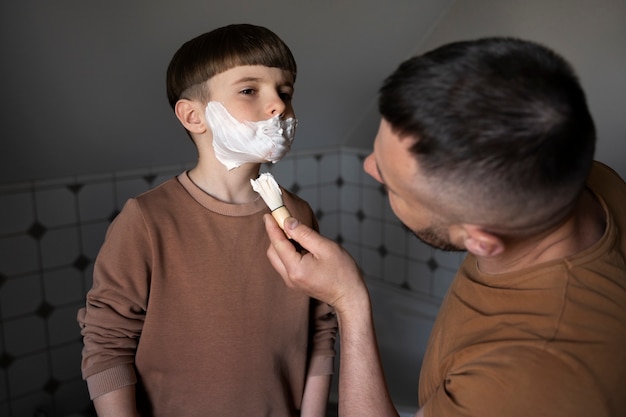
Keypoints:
(324, 271)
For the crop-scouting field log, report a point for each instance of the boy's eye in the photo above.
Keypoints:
(285, 96)
(247, 91)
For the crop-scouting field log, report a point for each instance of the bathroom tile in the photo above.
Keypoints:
(92, 236)
(351, 167)
(442, 278)
(311, 196)
(419, 277)
(128, 188)
(372, 233)
(388, 213)
(88, 278)
(307, 170)
(19, 255)
(450, 260)
(329, 225)
(96, 201)
(56, 206)
(329, 198)
(417, 249)
(63, 286)
(71, 398)
(16, 211)
(66, 361)
(350, 228)
(350, 198)
(394, 269)
(329, 168)
(4, 390)
(372, 202)
(20, 295)
(24, 335)
(371, 263)
(34, 404)
(60, 247)
(62, 325)
(395, 238)
(284, 172)
(28, 373)
(30, 398)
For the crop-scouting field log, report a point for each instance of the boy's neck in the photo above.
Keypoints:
(231, 187)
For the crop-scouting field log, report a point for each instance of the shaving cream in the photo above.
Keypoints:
(237, 143)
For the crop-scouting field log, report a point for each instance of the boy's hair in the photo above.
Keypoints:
(211, 53)
(503, 119)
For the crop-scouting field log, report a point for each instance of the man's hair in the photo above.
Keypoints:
(212, 53)
(502, 122)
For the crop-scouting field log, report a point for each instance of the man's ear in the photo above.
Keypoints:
(476, 240)
(189, 115)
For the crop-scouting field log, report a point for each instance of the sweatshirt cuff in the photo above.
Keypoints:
(111, 379)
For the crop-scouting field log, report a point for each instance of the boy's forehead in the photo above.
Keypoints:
(241, 73)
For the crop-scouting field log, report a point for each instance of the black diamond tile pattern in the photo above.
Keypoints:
(44, 310)
(82, 262)
(51, 386)
(432, 264)
(6, 359)
(75, 188)
(36, 230)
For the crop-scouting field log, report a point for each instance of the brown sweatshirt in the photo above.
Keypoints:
(186, 305)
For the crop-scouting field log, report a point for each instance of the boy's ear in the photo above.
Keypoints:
(476, 240)
(189, 115)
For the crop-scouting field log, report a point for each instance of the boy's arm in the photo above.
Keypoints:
(118, 403)
(315, 399)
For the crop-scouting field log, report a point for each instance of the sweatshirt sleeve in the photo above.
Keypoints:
(112, 319)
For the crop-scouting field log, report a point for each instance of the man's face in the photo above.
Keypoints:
(410, 198)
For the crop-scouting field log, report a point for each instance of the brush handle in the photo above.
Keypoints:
(280, 214)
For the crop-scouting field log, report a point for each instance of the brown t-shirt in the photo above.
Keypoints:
(546, 341)
(186, 304)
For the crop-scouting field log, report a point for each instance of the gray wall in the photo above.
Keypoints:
(591, 34)
(83, 82)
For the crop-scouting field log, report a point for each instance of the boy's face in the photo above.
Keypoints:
(254, 92)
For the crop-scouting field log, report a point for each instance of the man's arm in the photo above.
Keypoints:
(328, 273)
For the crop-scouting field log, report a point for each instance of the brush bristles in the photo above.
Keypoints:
(269, 190)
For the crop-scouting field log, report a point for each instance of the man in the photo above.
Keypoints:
(487, 146)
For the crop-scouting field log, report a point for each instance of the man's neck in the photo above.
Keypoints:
(579, 231)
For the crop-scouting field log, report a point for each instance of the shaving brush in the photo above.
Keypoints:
(270, 192)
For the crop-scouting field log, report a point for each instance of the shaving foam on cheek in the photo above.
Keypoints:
(237, 143)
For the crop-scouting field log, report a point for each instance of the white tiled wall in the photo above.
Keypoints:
(51, 231)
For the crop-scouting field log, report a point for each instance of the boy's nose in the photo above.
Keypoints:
(276, 106)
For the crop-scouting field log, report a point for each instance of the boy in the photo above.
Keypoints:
(186, 316)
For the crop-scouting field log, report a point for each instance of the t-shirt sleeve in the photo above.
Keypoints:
(112, 319)
(516, 382)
